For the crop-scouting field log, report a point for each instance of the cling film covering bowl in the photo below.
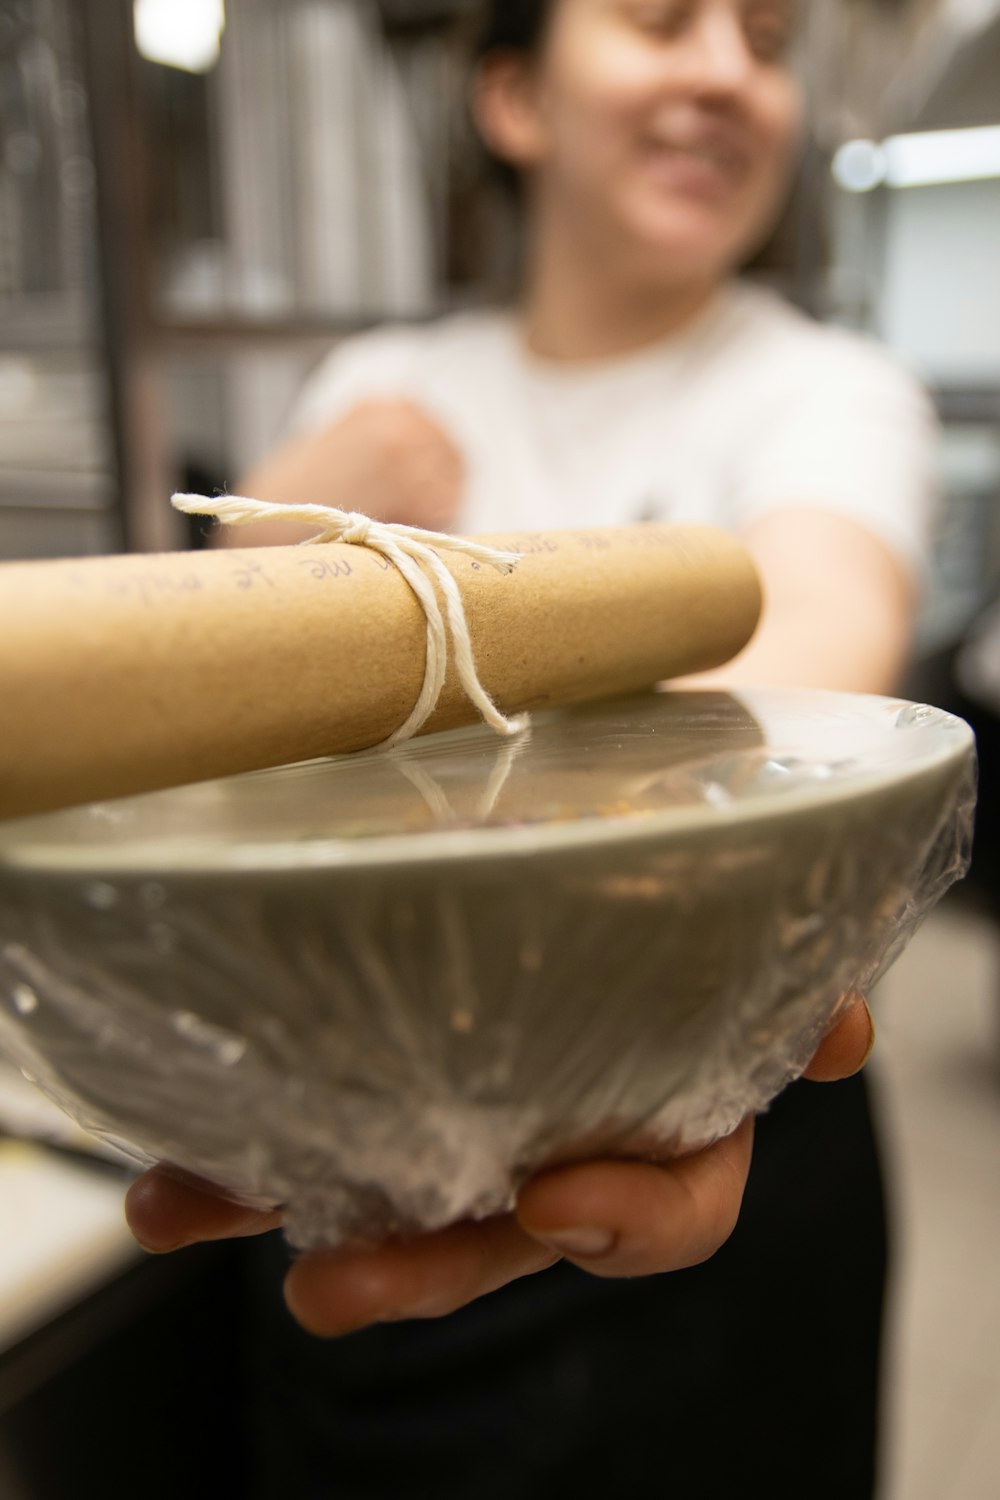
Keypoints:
(381, 990)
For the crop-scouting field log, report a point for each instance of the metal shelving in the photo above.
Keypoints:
(57, 488)
(147, 340)
(115, 315)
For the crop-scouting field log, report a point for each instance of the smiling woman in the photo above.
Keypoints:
(636, 377)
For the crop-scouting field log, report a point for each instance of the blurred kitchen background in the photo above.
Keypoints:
(196, 200)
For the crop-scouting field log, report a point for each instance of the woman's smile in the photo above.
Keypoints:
(704, 164)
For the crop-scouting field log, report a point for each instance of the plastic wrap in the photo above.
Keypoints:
(381, 990)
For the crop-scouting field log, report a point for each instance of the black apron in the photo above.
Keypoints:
(756, 1373)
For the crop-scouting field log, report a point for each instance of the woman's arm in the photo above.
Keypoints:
(838, 610)
(386, 458)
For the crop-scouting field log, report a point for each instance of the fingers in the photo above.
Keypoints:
(846, 1049)
(635, 1218)
(343, 1290)
(613, 1218)
(166, 1213)
(648, 1218)
(340, 1291)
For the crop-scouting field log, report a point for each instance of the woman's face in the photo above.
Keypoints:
(671, 125)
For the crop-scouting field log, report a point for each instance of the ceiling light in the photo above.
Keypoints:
(925, 158)
(938, 156)
(180, 33)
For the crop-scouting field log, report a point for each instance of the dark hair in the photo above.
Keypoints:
(515, 24)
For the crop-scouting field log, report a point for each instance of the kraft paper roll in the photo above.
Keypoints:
(127, 674)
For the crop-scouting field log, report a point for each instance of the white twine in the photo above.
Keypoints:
(415, 554)
(437, 798)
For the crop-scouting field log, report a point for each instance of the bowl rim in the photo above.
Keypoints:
(948, 743)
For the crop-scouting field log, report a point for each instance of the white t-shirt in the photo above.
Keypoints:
(752, 408)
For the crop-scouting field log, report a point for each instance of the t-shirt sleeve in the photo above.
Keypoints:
(856, 434)
(371, 365)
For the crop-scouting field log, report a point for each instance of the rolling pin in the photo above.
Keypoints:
(128, 674)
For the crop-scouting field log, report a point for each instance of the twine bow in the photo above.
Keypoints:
(414, 553)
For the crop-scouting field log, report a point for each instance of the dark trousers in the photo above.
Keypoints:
(755, 1374)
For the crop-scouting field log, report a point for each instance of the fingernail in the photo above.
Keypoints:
(580, 1244)
(871, 1027)
(160, 1249)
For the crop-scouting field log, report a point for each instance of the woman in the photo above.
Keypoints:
(654, 141)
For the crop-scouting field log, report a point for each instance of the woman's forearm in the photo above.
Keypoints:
(838, 608)
(386, 458)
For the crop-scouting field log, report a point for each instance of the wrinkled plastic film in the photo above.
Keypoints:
(382, 991)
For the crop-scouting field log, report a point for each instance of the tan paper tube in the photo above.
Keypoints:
(127, 674)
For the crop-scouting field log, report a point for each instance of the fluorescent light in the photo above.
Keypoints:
(937, 156)
(180, 33)
(923, 159)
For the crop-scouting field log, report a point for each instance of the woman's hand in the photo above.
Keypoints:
(386, 458)
(612, 1218)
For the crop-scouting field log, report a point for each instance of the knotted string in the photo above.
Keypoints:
(414, 553)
